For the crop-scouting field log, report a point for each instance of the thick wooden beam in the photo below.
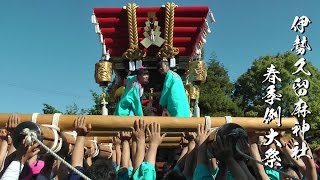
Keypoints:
(168, 124)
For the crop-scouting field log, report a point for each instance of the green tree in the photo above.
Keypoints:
(215, 94)
(48, 109)
(74, 109)
(96, 109)
(249, 89)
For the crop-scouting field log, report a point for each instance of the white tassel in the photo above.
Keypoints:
(132, 66)
(172, 62)
(198, 50)
(203, 39)
(108, 56)
(207, 27)
(97, 29)
(211, 17)
(93, 19)
(208, 30)
(104, 49)
(104, 108)
(138, 64)
(196, 110)
(101, 39)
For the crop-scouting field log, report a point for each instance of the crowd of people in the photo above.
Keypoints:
(134, 156)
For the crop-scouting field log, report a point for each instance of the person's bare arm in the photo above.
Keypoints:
(139, 139)
(213, 163)
(254, 152)
(155, 137)
(117, 143)
(114, 155)
(24, 153)
(311, 172)
(89, 154)
(182, 158)
(287, 151)
(3, 146)
(133, 150)
(82, 130)
(125, 155)
(202, 135)
(13, 122)
(189, 166)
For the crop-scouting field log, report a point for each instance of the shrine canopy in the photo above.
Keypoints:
(190, 28)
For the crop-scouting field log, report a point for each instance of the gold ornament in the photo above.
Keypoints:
(194, 93)
(103, 73)
(198, 71)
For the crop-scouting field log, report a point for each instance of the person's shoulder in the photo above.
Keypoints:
(131, 79)
(174, 74)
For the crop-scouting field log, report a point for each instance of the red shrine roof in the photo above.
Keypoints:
(189, 24)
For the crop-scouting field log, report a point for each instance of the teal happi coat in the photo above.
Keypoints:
(173, 96)
(130, 102)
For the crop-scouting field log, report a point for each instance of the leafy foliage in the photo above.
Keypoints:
(249, 89)
(48, 109)
(74, 109)
(215, 94)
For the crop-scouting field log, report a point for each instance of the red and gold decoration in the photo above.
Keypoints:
(132, 34)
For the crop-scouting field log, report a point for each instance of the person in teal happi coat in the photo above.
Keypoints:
(130, 103)
(173, 96)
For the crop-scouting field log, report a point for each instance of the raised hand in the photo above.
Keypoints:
(3, 134)
(138, 130)
(89, 152)
(202, 134)
(116, 140)
(26, 151)
(13, 122)
(125, 136)
(184, 142)
(223, 150)
(81, 126)
(154, 135)
(189, 136)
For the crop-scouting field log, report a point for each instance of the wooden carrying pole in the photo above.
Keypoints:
(115, 133)
(171, 124)
(47, 134)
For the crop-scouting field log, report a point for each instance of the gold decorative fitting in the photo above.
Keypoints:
(167, 50)
(198, 71)
(133, 52)
(194, 92)
(103, 73)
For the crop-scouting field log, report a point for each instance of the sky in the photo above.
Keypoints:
(48, 49)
